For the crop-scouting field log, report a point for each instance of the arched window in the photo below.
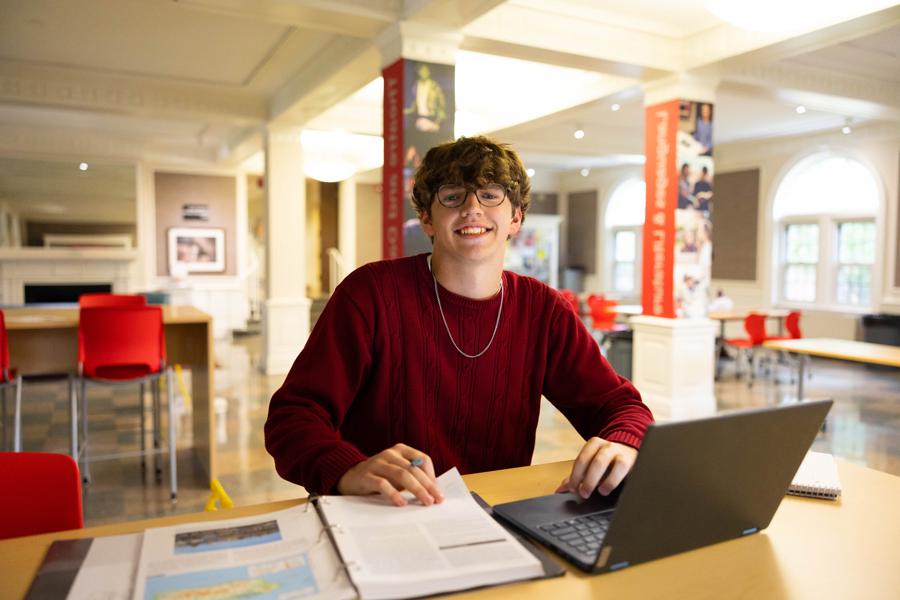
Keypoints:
(624, 222)
(825, 211)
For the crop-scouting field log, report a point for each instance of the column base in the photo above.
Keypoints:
(285, 328)
(673, 365)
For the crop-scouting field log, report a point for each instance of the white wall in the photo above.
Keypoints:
(876, 146)
(604, 181)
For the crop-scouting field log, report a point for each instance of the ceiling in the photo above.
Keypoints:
(194, 82)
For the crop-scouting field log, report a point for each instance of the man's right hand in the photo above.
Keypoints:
(391, 471)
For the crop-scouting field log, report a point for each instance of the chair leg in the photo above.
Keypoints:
(85, 459)
(17, 416)
(157, 424)
(73, 420)
(143, 428)
(173, 472)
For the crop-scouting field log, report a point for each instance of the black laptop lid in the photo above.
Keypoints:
(708, 480)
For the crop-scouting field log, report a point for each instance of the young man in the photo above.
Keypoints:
(424, 363)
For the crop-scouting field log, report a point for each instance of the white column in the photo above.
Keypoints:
(347, 223)
(673, 365)
(285, 322)
(144, 275)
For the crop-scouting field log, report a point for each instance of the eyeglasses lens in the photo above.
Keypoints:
(453, 196)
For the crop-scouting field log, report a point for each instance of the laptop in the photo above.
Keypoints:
(694, 483)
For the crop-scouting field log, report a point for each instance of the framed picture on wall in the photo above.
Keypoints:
(196, 250)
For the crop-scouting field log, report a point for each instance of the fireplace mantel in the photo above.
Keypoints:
(19, 266)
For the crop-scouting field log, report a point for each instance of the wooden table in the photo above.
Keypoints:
(45, 340)
(864, 352)
(813, 548)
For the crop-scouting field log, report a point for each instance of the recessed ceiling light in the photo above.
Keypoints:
(800, 109)
(530, 172)
(585, 172)
(83, 166)
(615, 107)
(579, 133)
(846, 130)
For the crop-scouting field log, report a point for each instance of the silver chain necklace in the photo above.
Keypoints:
(447, 327)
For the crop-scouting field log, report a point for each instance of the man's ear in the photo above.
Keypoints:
(427, 226)
(516, 223)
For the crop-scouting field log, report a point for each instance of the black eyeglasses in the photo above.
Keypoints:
(453, 195)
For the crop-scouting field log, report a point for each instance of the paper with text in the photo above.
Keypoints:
(417, 550)
(283, 554)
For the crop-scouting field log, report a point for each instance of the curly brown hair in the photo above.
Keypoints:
(475, 160)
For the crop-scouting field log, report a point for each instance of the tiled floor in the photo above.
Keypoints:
(864, 427)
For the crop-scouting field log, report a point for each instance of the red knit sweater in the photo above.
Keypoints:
(379, 368)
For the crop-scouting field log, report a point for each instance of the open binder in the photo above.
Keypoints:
(333, 547)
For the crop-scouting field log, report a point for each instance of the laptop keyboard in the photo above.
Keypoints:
(582, 535)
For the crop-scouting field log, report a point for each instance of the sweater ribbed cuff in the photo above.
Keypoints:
(624, 437)
(332, 466)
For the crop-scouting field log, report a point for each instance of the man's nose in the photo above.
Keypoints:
(471, 204)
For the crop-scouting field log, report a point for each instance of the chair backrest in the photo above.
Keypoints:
(792, 324)
(755, 326)
(91, 300)
(121, 340)
(603, 314)
(40, 492)
(4, 350)
(572, 299)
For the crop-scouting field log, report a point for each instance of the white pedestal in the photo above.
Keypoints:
(285, 328)
(673, 366)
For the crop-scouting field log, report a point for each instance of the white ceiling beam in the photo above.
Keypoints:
(448, 13)
(726, 48)
(355, 18)
(39, 85)
(557, 35)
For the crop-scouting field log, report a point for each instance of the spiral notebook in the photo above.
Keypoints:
(817, 477)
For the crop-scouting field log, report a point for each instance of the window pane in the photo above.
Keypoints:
(856, 242)
(623, 277)
(626, 242)
(854, 284)
(827, 185)
(627, 204)
(800, 283)
(802, 243)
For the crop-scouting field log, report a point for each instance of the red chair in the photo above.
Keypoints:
(121, 345)
(41, 493)
(10, 379)
(570, 297)
(94, 300)
(755, 326)
(792, 324)
(603, 317)
(103, 299)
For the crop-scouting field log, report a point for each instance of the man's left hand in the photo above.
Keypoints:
(601, 465)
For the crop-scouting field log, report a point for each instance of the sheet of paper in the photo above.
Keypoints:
(108, 569)
(283, 554)
(415, 550)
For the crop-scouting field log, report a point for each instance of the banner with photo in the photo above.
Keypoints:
(419, 107)
(693, 223)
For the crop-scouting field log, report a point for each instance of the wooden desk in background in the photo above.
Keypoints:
(864, 352)
(45, 340)
(813, 548)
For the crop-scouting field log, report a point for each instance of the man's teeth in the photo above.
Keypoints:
(472, 230)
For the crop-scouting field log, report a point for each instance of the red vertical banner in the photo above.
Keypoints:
(392, 187)
(661, 123)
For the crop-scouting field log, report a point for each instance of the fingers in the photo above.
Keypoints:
(601, 465)
(563, 486)
(390, 472)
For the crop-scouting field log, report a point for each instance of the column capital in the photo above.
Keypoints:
(275, 132)
(685, 86)
(418, 41)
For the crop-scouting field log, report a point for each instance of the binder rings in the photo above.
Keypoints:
(817, 477)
